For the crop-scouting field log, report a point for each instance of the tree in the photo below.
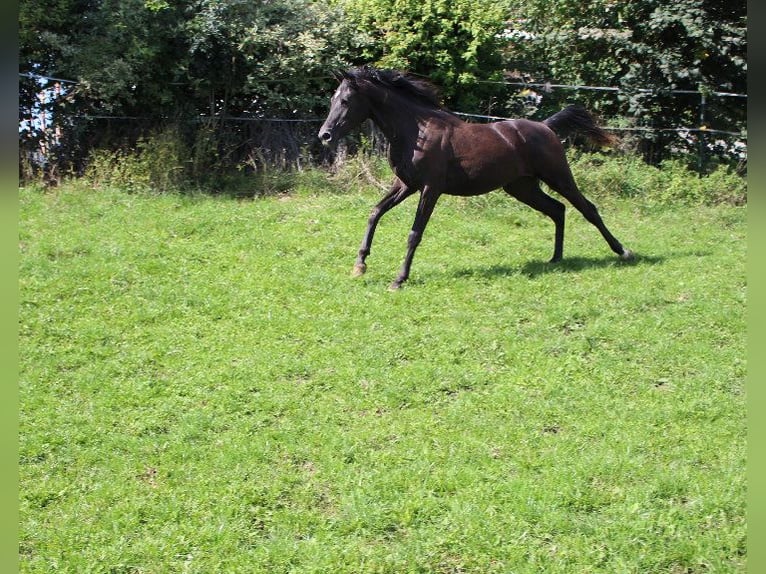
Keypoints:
(152, 57)
(647, 48)
(453, 42)
(267, 58)
(644, 44)
(181, 59)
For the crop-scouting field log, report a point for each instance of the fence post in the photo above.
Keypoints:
(702, 135)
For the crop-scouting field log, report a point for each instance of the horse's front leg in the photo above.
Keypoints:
(426, 206)
(399, 192)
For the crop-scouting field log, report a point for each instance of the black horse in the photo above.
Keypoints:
(435, 152)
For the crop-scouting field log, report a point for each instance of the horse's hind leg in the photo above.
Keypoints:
(566, 186)
(528, 191)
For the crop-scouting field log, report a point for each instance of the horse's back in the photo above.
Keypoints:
(489, 156)
(538, 145)
(529, 132)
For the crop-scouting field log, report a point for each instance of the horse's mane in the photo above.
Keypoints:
(417, 88)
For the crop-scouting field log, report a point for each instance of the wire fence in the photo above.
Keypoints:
(65, 143)
(714, 129)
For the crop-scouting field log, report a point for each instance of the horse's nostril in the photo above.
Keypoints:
(325, 136)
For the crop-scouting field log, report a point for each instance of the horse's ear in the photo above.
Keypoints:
(341, 75)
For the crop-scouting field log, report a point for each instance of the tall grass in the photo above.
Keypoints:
(670, 183)
(164, 162)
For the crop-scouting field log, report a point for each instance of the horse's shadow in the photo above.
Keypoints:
(534, 269)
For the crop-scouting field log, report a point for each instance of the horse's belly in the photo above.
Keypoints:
(486, 160)
(464, 187)
(476, 178)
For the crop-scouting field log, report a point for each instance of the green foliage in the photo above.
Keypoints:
(455, 43)
(267, 58)
(179, 60)
(639, 46)
(163, 162)
(670, 183)
(202, 388)
(158, 164)
(189, 57)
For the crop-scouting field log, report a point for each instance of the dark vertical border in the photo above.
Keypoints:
(9, 304)
(756, 282)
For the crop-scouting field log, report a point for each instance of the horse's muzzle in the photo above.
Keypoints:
(325, 137)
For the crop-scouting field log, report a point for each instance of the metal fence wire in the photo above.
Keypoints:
(64, 144)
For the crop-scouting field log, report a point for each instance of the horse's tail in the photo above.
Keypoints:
(577, 119)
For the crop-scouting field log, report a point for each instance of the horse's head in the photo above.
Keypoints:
(348, 108)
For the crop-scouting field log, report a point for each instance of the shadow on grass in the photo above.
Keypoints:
(534, 269)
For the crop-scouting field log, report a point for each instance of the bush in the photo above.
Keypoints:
(599, 174)
(163, 163)
(158, 163)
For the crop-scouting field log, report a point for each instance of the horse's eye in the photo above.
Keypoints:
(344, 102)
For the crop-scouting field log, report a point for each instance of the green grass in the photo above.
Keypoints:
(204, 388)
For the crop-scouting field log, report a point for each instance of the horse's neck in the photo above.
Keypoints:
(399, 119)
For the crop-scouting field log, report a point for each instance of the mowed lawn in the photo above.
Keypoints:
(204, 388)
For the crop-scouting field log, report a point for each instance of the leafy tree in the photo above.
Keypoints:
(150, 57)
(121, 52)
(453, 42)
(182, 59)
(267, 57)
(643, 44)
(175, 59)
(647, 48)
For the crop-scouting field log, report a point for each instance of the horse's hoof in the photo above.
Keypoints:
(627, 255)
(359, 270)
(395, 286)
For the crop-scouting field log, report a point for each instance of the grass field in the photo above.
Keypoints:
(205, 389)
